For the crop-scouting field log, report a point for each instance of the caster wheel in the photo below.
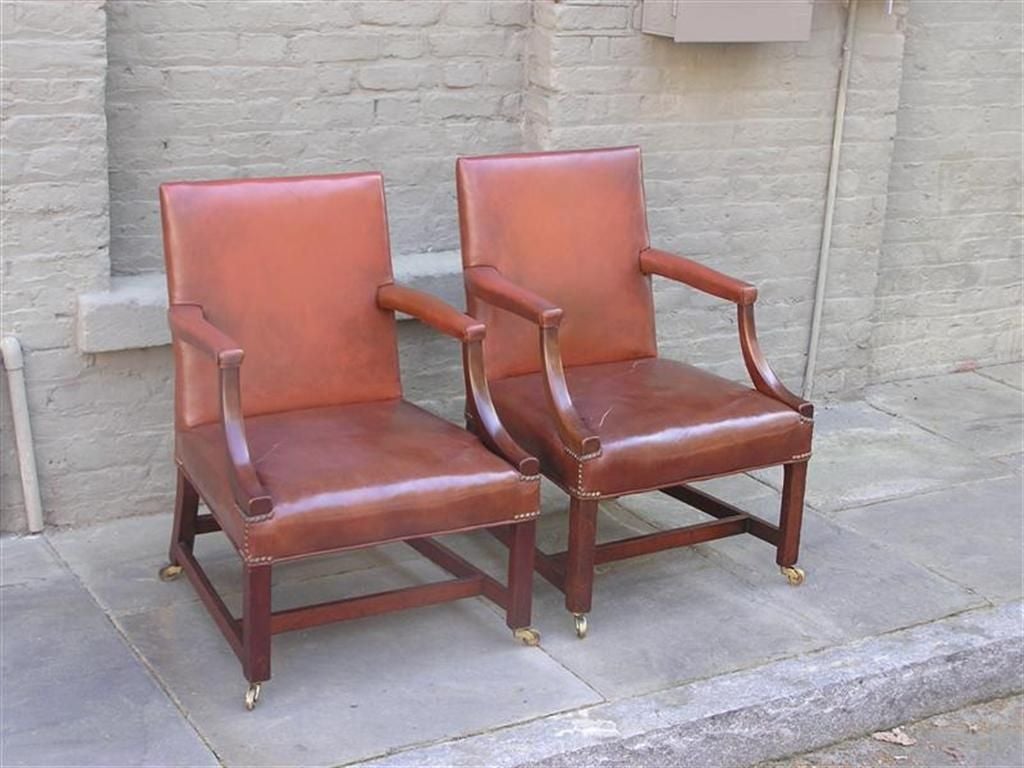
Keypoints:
(795, 576)
(252, 696)
(170, 572)
(527, 636)
(580, 622)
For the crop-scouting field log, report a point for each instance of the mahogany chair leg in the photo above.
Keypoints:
(255, 629)
(579, 569)
(520, 581)
(183, 529)
(793, 485)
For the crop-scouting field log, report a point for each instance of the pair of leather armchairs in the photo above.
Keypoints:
(314, 450)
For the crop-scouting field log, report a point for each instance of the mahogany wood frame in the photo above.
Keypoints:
(249, 636)
(572, 570)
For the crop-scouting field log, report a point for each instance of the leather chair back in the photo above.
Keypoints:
(568, 226)
(289, 269)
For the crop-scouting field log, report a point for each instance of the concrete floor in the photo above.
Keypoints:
(914, 514)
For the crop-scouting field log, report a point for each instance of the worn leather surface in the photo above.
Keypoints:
(288, 268)
(569, 226)
(352, 475)
(660, 422)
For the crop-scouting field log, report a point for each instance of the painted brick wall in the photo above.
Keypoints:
(221, 89)
(949, 286)
(55, 233)
(736, 145)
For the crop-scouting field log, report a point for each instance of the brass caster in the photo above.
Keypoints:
(527, 636)
(794, 575)
(580, 621)
(252, 696)
(170, 572)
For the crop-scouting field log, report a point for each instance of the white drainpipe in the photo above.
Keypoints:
(830, 201)
(15, 364)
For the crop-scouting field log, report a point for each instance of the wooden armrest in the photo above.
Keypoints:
(653, 261)
(190, 326)
(431, 310)
(683, 270)
(448, 320)
(490, 286)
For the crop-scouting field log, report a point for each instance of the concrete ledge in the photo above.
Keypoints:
(133, 313)
(783, 708)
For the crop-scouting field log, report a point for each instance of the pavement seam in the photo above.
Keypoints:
(981, 372)
(911, 420)
(143, 662)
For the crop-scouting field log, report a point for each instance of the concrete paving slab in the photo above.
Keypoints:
(847, 573)
(26, 560)
(971, 410)
(862, 455)
(74, 694)
(355, 689)
(855, 587)
(1011, 374)
(664, 619)
(988, 735)
(971, 534)
(118, 562)
(785, 707)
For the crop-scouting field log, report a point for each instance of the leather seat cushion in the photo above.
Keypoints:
(660, 423)
(354, 475)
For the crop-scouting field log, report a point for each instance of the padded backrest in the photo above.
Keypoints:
(570, 227)
(289, 268)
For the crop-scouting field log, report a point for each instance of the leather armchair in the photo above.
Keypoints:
(314, 450)
(557, 262)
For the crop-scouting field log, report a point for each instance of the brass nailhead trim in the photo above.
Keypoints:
(578, 491)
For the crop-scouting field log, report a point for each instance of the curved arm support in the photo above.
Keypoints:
(485, 416)
(574, 432)
(250, 495)
(190, 326)
(764, 378)
(489, 285)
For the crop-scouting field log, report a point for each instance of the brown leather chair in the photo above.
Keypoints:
(314, 450)
(558, 242)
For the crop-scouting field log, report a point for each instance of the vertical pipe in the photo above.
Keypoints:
(830, 201)
(14, 363)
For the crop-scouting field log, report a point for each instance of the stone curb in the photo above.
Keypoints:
(781, 708)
